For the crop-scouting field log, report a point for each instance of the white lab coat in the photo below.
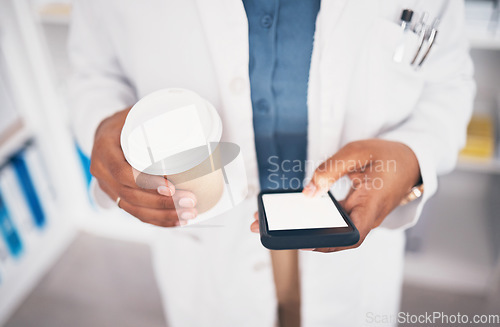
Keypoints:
(122, 50)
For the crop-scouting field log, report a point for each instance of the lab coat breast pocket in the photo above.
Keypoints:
(393, 87)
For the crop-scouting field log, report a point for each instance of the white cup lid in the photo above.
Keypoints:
(170, 131)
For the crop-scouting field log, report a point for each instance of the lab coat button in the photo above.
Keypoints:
(262, 106)
(266, 21)
(237, 85)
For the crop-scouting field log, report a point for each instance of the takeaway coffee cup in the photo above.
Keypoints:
(176, 133)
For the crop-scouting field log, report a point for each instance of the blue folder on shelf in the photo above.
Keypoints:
(29, 190)
(9, 231)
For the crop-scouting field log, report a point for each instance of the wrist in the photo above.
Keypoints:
(416, 186)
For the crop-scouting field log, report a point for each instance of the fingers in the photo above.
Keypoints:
(163, 218)
(351, 157)
(109, 163)
(374, 192)
(254, 227)
(108, 190)
(140, 198)
(154, 208)
(155, 199)
(145, 199)
(115, 166)
(122, 172)
(364, 209)
(158, 205)
(151, 182)
(152, 199)
(324, 250)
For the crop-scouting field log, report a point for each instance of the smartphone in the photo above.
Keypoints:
(290, 220)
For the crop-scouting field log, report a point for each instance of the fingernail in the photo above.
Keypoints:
(309, 190)
(170, 186)
(164, 190)
(186, 203)
(187, 215)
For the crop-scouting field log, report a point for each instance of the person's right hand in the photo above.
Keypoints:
(152, 199)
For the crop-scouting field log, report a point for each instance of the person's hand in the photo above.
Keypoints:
(382, 174)
(152, 199)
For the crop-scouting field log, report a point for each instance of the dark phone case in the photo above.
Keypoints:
(297, 241)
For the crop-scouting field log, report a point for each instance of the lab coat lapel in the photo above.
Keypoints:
(327, 19)
(226, 30)
(341, 29)
(331, 11)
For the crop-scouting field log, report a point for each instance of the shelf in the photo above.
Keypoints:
(13, 139)
(480, 25)
(60, 13)
(484, 41)
(481, 37)
(54, 13)
(32, 86)
(46, 246)
(491, 166)
(115, 224)
(436, 270)
(457, 241)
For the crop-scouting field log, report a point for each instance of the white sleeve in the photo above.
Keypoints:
(98, 86)
(436, 130)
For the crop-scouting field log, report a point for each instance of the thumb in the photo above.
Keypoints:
(347, 160)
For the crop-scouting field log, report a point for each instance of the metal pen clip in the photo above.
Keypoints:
(431, 40)
(421, 30)
(431, 35)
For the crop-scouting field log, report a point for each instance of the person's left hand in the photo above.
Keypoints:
(382, 174)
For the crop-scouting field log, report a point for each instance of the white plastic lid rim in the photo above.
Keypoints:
(168, 124)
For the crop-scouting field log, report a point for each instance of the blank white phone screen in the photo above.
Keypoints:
(296, 211)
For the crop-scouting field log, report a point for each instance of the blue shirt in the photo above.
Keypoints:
(281, 40)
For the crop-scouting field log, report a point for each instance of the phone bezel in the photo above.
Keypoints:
(306, 231)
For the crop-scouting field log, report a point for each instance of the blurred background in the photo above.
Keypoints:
(63, 263)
